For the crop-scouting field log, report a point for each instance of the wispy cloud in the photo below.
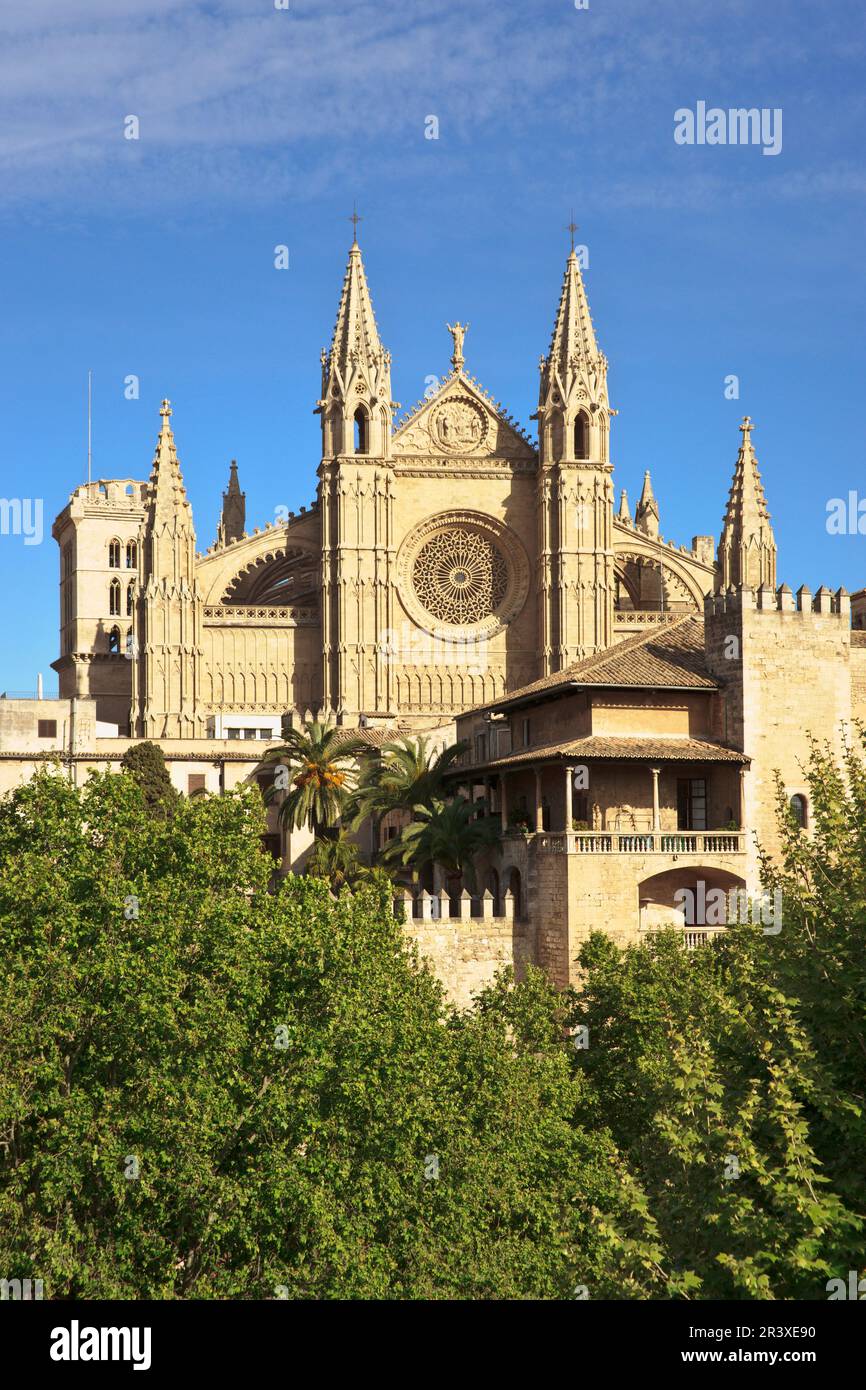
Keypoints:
(241, 99)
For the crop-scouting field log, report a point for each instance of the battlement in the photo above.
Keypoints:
(781, 600)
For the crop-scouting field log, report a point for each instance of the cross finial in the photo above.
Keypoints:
(746, 429)
(572, 228)
(165, 409)
(355, 219)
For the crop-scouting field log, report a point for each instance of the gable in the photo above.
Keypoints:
(459, 422)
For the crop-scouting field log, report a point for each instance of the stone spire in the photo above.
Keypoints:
(168, 610)
(747, 547)
(168, 514)
(575, 488)
(356, 374)
(573, 407)
(624, 513)
(234, 513)
(646, 516)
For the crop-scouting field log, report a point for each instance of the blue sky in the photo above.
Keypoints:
(260, 126)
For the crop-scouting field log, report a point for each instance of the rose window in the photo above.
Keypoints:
(460, 576)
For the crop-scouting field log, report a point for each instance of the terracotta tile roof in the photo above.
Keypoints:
(598, 746)
(671, 657)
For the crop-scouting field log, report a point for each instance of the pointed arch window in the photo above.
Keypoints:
(114, 598)
(130, 599)
(800, 810)
(362, 431)
(114, 640)
(114, 555)
(131, 555)
(581, 436)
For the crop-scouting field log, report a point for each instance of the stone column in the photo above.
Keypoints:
(569, 778)
(503, 803)
(539, 812)
(742, 798)
(656, 816)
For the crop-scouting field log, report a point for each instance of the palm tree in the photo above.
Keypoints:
(338, 860)
(406, 773)
(446, 833)
(321, 768)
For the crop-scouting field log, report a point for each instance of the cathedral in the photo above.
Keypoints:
(447, 559)
(629, 706)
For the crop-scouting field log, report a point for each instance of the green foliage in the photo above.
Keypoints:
(338, 860)
(698, 1063)
(282, 1072)
(402, 775)
(145, 763)
(321, 763)
(447, 833)
(306, 1113)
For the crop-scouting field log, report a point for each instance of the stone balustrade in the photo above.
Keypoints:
(642, 842)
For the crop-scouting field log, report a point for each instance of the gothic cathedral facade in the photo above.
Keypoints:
(447, 559)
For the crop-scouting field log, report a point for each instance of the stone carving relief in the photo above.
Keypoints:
(459, 426)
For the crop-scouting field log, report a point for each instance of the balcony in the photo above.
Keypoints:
(697, 842)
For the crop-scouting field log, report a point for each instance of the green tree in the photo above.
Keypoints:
(447, 833)
(400, 776)
(698, 1064)
(338, 860)
(145, 762)
(210, 1091)
(320, 763)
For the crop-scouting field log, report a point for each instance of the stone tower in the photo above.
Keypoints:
(575, 487)
(234, 512)
(747, 547)
(166, 650)
(356, 503)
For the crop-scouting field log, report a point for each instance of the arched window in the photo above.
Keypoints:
(361, 431)
(799, 810)
(114, 598)
(130, 597)
(114, 555)
(581, 437)
(114, 640)
(131, 555)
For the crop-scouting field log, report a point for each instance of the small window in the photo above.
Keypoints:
(799, 810)
(114, 598)
(131, 555)
(265, 733)
(195, 782)
(114, 555)
(526, 733)
(361, 431)
(581, 437)
(130, 599)
(250, 733)
(233, 733)
(47, 728)
(114, 640)
(480, 747)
